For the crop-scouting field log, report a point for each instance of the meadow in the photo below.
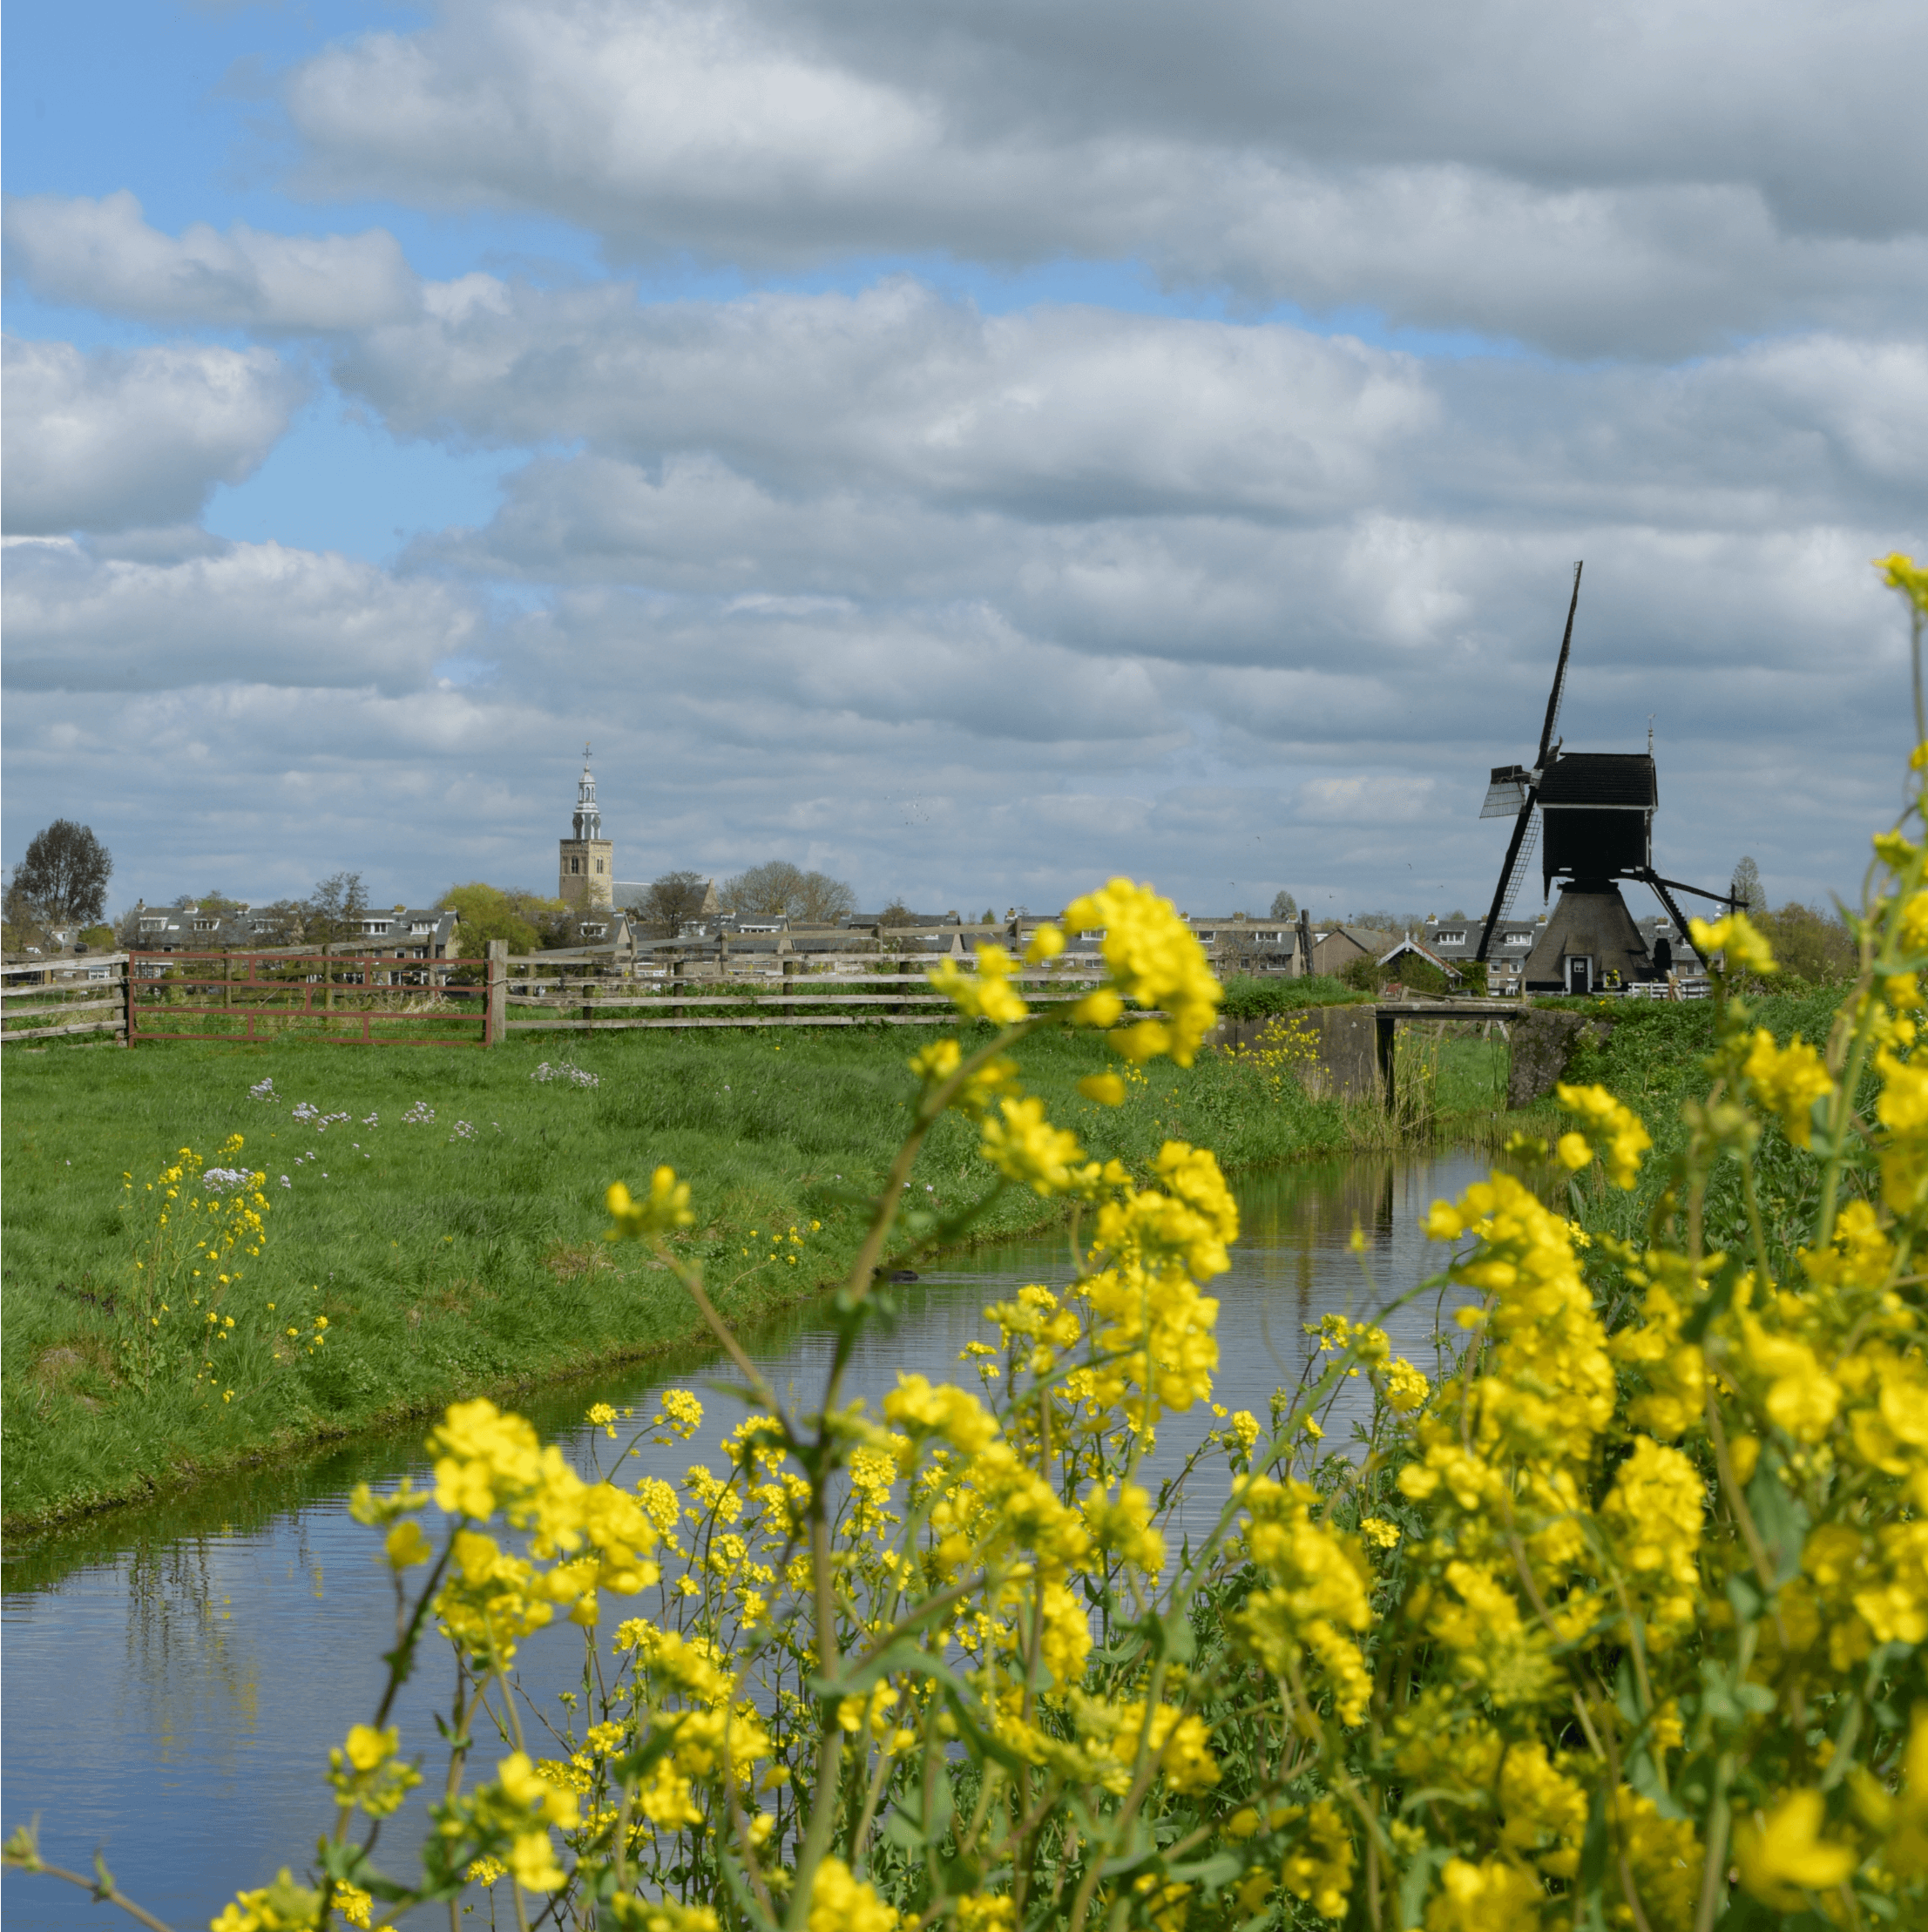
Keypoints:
(462, 1253)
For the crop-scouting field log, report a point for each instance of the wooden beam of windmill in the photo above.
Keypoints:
(1528, 782)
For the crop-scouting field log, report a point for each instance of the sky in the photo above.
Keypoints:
(973, 451)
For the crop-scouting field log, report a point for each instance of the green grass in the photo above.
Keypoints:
(1248, 996)
(447, 1267)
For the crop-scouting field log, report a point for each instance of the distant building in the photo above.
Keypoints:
(586, 861)
(405, 932)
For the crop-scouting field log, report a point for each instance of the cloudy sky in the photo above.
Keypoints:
(973, 450)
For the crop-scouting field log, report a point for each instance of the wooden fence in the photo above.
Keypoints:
(668, 986)
(353, 994)
(84, 994)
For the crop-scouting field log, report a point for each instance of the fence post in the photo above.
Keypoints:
(789, 984)
(495, 1025)
(127, 1000)
(903, 972)
(676, 977)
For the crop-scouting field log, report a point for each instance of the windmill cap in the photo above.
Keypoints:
(1600, 778)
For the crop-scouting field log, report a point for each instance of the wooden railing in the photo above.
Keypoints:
(667, 986)
(83, 993)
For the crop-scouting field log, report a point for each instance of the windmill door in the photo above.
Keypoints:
(1579, 976)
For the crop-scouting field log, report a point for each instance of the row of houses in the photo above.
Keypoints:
(1236, 943)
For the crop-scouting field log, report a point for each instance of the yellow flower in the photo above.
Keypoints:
(282, 1906)
(842, 1903)
(1789, 1080)
(1152, 958)
(1104, 1088)
(1624, 1134)
(1904, 574)
(985, 995)
(1746, 949)
(668, 1207)
(1783, 1855)
(405, 1545)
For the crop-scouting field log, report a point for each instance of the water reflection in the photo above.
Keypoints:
(173, 1676)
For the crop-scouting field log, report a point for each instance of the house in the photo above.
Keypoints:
(402, 932)
(1418, 948)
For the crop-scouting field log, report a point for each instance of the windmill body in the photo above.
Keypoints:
(1597, 811)
(1595, 829)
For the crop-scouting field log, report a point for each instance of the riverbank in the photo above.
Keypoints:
(462, 1255)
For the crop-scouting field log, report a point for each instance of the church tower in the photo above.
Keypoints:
(587, 862)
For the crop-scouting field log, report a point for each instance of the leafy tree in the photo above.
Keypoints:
(100, 936)
(1746, 889)
(525, 920)
(23, 927)
(990, 916)
(1284, 906)
(1418, 974)
(673, 901)
(1363, 975)
(336, 908)
(63, 876)
(896, 914)
(1810, 944)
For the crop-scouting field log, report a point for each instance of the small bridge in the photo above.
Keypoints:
(1356, 1043)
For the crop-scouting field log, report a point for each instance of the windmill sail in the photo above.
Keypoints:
(1510, 782)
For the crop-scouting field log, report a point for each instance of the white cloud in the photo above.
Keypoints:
(115, 439)
(103, 255)
(1644, 178)
(255, 613)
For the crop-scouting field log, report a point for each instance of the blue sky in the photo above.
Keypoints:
(1164, 458)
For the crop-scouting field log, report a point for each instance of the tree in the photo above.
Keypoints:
(486, 912)
(896, 914)
(673, 901)
(1284, 906)
(63, 876)
(777, 889)
(283, 923)
(1747, 895)
(336, 908)
(1810, 944)
(823, 901)
(23, 927)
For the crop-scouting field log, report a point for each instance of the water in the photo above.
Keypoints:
(173, 1676)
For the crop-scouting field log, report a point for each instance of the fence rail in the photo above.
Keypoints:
(88, 982)
(356, 995)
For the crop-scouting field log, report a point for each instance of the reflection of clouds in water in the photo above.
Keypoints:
(143, 1716)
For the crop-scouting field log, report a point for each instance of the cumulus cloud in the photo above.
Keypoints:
(1644, 178)
(257, 613)
(103, 255)
(1075, 409)
(114, 439)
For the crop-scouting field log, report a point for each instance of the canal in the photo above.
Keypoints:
(174, 1675)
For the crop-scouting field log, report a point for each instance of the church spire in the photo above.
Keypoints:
(589, 818)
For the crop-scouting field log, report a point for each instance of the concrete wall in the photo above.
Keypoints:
(1349, 1060)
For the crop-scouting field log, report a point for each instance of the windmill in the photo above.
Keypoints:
(1594, 826)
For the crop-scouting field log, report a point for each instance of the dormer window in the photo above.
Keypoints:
(1207, 935)
(593, 932)
(207, 925)
(374, 929)
(1449, 939)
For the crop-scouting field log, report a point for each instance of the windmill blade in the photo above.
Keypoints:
(1501, 891)
(1560, 677)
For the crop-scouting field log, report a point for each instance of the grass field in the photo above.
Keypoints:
(464, 1254)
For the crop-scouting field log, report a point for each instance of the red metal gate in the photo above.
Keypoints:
(305, 993)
